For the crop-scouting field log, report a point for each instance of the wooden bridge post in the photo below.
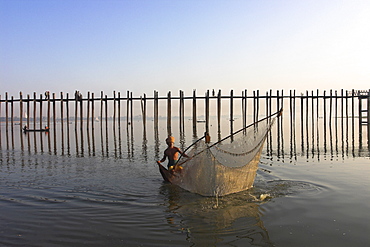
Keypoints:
(76, 98)
(88, 112)
(28, 110)
(119, 110)
(368, 118)
(155, 114)
(92, 112)
(20, 111)
(194, 113)
(67, 113)
(360, 116)
(231, 111)
(54, 115)
(48, 109)
(34, 110)
(127, 109)
(219, 114)
(41, 111)
(169, 114)
(114, 110)
(207, 110)
(62, 119)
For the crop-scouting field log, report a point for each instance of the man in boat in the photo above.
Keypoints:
(172, 153)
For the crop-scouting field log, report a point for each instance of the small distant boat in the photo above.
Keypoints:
(201, 121)
(46, 129)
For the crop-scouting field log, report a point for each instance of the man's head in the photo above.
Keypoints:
(170, 140)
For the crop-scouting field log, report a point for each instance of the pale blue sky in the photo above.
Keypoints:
(141, 46)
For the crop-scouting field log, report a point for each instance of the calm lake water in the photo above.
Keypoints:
(104, 189)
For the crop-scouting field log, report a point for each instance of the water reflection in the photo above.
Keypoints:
(208, 221)
(282, 140)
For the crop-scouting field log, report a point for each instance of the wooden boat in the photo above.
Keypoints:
(36, 130)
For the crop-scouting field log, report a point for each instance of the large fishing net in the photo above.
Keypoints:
(224, 167)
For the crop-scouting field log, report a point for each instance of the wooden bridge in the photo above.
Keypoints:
(83, 110)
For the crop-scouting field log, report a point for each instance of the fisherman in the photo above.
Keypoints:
(172, 153)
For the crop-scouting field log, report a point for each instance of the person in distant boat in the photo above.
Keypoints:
(25, 127)
(172, 153)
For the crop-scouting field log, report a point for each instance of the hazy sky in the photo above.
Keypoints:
(146, 45)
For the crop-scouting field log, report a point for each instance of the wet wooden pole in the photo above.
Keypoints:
(20, 111)
(119, 110)
(34, 110)
(131, 113)
(231, 111)
(169, 113)
(12, 119)
(41, 102)
(81, 114)
(207, 111)
(48, 108)
(88, 112)
(219, 113)
(92, 112)
(353, 116)
(101, 112)
(76, 107)
(62, 119)
(128, 109)
(143, 112)
(114, 110)
(54, 115)
(368, 118)
(67, 113)
(0, 117)
(155, 114)
(245, 110)
(106, 114)
(194, 113)
(28, 110)
(254, 106)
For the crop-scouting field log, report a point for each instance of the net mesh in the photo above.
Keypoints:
(225, 167)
